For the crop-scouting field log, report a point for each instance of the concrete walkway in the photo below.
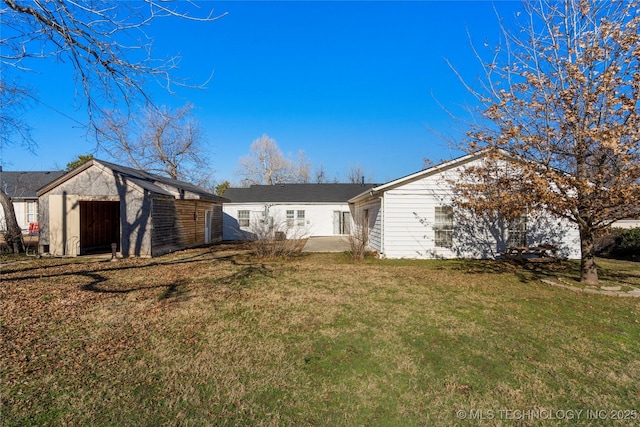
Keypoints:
(327, 244)
(614, 291)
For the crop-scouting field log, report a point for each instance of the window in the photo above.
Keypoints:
(443, 227)
(243, 218)
(290, 218)
(517, 232)
(300, 218)
(31, 212)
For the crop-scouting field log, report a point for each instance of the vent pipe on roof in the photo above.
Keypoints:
(362, 185)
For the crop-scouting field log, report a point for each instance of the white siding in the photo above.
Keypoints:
(20, 208)
(626, 223)
(375, 221)
(560, 232)
(408, 216)
(318, 218)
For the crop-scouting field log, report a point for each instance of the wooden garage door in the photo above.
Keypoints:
(99, 226)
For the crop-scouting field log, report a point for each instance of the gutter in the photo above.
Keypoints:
(382, 233)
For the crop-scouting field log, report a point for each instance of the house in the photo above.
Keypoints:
(298, 210)
(626, 223)
(101, 203)
(414, 217)
(22, 188)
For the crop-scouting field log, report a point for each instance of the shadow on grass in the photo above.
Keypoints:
(175, 291)
(621, 271)
(244, 277)
(532, 271)
(97, 273)
(237, 280)
(525, 272)
(172, 291)
(107, 266)
(620, 277)
(204, 254)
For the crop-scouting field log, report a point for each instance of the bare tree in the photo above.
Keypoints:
(359, 236)
(319, 175)
(302, 172)
(273, 237)
(13, 130)
(13, 235)
(266, 165)
(164, 141)
(106, 44)
(562, 96)
(356, 174)
(13, 101)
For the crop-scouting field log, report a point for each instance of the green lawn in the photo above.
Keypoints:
(217, 337)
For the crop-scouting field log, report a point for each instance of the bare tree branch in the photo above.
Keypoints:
(163, 141)
(266, 165)
(105, 42)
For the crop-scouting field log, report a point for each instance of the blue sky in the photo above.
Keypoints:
(350, 83)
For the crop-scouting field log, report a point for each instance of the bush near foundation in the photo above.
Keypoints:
(623, 243)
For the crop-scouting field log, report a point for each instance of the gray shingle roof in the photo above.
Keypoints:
(296, 193)
(151, 181)
(148, 181)
(24, 185)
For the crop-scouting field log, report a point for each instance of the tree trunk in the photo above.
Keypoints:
(13, 236)
(588, 270)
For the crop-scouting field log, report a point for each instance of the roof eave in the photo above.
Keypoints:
(67, 176)
(418, 175)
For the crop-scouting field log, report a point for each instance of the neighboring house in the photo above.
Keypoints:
(22, 188)
(414, 217)
(626, 223)
(298, 210)
(100, 203)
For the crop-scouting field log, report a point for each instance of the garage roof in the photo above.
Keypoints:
(154, 183)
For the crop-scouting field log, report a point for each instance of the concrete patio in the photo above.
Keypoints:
(327, 244)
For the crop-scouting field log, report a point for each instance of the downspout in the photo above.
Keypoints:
(382, 235)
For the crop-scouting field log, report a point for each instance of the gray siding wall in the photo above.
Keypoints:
(165, 236)
(216, 223)
(43, 222)
(150, 223)
(96, 184)
(179, 224)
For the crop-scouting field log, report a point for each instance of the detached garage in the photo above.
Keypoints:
(100, 203)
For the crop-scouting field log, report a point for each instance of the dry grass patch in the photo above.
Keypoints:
(217, 337)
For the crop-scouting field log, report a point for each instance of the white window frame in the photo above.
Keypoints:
(244, 218)
(31, 211)
(290, 217)
(443, 227)
(300, 218)
(517, 231)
